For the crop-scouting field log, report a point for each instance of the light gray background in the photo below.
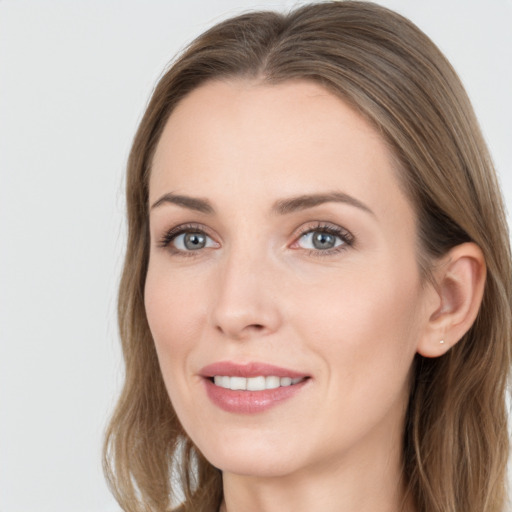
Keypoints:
(74, 79)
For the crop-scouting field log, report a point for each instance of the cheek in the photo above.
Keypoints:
(173, 313)
(174, 318)
(361, 334)
(365, 327)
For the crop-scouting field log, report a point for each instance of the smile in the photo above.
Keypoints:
(260, 383)
(251, 388)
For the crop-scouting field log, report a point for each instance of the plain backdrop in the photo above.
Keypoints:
(75, 77)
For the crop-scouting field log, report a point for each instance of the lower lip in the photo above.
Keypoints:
(250, 402)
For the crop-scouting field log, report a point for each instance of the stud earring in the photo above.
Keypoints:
(442, 341)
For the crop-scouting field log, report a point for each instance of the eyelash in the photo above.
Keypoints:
(169, 236)
(345, 236)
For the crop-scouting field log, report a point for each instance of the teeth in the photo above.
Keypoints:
(272, 382)
(254, 383)
(238, 383)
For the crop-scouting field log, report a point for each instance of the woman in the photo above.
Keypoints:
(315, 304)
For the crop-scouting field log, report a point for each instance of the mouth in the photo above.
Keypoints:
(251, 388)
(259, 383)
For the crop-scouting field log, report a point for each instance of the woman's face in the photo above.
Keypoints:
(283, 253)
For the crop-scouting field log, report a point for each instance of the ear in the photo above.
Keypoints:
(457, 295)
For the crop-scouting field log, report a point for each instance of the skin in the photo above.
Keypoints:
(260, 291)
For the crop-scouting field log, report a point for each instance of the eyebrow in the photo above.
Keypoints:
(303, 202)
(191, 203)
(280, 207)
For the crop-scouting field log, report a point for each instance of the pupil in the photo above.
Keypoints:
(323, 241)
(194, 241)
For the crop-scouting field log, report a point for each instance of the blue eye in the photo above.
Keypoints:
(190, 241)
(323, 240)
(186, 239)
(320, 240)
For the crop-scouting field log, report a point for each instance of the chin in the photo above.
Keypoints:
(250, 456)
(260, 467)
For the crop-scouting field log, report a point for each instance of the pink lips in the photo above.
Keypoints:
(249, 402)
(248, 370)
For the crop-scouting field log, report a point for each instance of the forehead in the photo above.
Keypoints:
(270, 140)
(276, 116)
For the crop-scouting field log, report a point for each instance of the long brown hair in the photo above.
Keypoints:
(455, 443)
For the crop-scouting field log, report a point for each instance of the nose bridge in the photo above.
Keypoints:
(245, 302)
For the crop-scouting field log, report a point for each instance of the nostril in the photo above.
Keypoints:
(256, 327)
(243, 333)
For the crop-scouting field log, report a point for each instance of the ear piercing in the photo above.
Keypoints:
(442, 341)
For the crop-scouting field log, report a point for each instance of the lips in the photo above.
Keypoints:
(250, 388)
(248, 370)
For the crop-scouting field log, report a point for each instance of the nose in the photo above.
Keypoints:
(245, 304)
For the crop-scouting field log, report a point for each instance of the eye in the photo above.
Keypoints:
(320, 240)
(186, 239)
(325, 239)
(190, 241)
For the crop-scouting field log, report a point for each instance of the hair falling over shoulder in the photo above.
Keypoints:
(455, 443)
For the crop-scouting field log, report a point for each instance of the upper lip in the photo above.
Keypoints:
(253, 369)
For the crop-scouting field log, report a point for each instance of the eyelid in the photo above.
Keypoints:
(170, 235)
(327, 227)
(343, 234)
(319, 226)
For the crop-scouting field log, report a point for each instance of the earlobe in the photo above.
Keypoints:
(460, 280)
